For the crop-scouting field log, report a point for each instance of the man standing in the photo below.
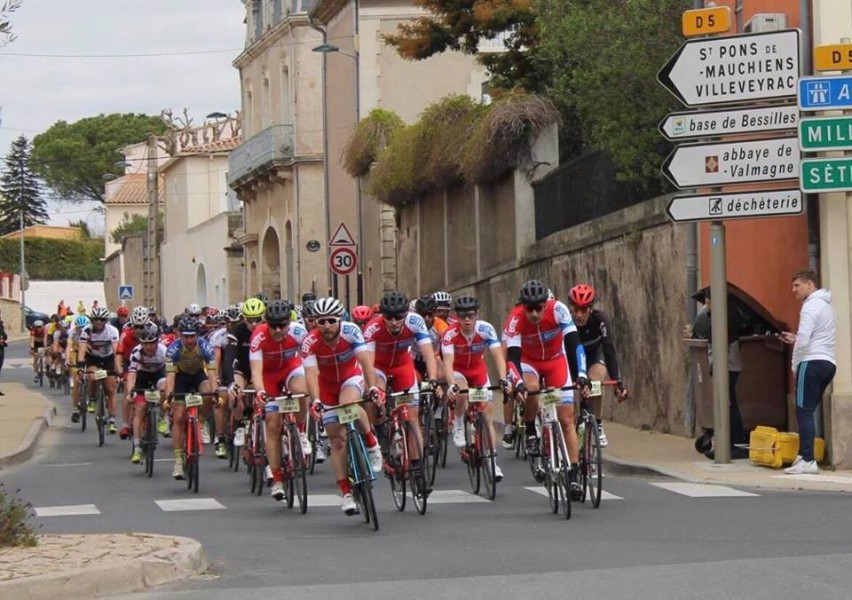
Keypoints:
(814, 361)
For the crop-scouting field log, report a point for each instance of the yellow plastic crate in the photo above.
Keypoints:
(789, 443)
(772, 448)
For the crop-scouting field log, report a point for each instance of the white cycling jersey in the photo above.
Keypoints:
(99, 343)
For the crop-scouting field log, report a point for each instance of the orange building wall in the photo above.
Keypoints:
(763, 253)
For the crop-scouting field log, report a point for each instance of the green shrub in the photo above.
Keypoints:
(48, 259)
(15, 516)
(371, 136)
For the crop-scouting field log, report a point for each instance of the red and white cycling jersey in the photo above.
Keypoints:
(468, 352)
(394, 351)
(544, 340)
(277, 356)
(336, 363)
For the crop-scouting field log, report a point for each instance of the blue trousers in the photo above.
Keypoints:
(812, 377)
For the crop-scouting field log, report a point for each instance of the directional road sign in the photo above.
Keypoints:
(342, 237)
(833, 57)
(825, 93)
(696, 165)
(686, 125)
(342, 260)
(744, 205)
(826, 175)
(125, 292)
(734, 69)
(829, 133)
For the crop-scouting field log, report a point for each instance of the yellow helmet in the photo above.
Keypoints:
(253, 308)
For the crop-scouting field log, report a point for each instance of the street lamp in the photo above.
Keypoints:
(216, 115)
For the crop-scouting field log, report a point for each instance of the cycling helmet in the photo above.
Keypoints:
(188, 326)
(253, 308)
(465, 303)
(152, 310)
(327, 307)
(122, 311)
(38, 323)
(262, 297)
(233, 313)
(308, 296)
(278, 311)
(81, 321)
(393, 303)
(533, 292)
(68, 320)
(582, 295)
(100, 312)
(307, 311)
(362, 313)
(550, 294)
(193, 310)
(442, 299)
(139, 316)
(425, 304)
(149, 333)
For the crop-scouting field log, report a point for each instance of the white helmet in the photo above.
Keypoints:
(38, 323)
(442, 299)
(100, 312)
(412, 306)
(139, 316)
(328, 307)
(193, 310)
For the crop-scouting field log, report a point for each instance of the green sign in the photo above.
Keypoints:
(826, 175)
(829, 133)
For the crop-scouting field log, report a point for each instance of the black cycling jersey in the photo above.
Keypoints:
(236, 351)
(596, 336)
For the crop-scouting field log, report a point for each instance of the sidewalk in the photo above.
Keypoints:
(673, 456)
(24, 415)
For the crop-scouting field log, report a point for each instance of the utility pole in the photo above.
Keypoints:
(151, 272)
(23, 268)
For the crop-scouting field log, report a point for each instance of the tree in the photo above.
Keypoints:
(85, 230)
(461, 24)
(72, 158)
(131, 225)
(20, 190)
(6, 34)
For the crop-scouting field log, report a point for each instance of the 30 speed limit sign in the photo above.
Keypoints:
(342, 260)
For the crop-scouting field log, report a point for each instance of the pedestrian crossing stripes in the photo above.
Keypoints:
(189, 504)
(71, 510)
(703, 490)
(605, 495)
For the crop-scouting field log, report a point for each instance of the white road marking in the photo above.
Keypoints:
(452, 497)
(703, 490)
(605, 495)
(189, 504)
(77, 464)
(71, 510)
(817, 478)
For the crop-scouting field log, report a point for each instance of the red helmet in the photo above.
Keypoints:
(362, 313)
(582, 295)
(122, 311)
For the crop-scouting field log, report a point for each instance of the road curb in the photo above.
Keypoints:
(626, 467)
(28, 445)
(187, 558)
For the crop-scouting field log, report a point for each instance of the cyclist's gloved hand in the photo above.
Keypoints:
(260, 399)
(377, 395)
(621, 391)
(506, 385)
(317, 408)
(521, 389)
(582, 383)
(436, 388)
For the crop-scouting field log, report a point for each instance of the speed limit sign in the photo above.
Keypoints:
(342, 260)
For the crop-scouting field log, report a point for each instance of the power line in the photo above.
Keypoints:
(142, 55)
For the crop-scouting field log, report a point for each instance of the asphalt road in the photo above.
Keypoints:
(653, 538)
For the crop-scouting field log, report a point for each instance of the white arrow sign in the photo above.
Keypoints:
(686, 125)
(718, 207)
(734, 69)
(697, 165)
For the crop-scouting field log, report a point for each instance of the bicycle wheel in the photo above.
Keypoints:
(259, 456)
(82, 405)
(430, 442)
(314, 439)
(398, 460)
(40, 373)
(366, 486)
(546, 451)
(100, 415)
(488, 458)
(594, 463)
(150, 442)
(298, 471)
(417, 475)
(519, 431)
(441, 431)
(561, 469)
(471, 458)
(287, 462)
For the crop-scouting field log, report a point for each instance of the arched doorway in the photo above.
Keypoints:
(271, 273)
(201, 285)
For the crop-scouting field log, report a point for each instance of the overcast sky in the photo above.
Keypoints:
(35, 91)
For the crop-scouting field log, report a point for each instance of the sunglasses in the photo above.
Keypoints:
(394, 317)
(534, 309)
(466, 315)
(328, 321)
(99, 320)
(253, 321)
(278, 325)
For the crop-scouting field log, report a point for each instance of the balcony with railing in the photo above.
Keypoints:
(260, 152)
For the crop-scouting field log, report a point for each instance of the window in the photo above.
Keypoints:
(276, 10)
(267, 104)
(285, 96)
(257, 17)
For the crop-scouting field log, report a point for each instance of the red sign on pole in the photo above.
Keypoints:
(342, 260)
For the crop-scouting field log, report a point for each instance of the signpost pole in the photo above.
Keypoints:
(719, 326)
(346, 294)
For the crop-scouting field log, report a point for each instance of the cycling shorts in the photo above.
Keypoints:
(556, 374)
(146, 380)
(189, 384)
(276, 382)
(474, 382)
(403, 379)
(107, 363)
(330, 393)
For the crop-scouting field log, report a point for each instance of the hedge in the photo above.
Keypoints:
(53, 260)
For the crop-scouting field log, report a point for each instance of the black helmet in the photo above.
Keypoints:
(308, 309)
(465, 303)
(308, 296)
(393, 303)
(425, 304)
(278, 311)
(533, 292)
(262, 297)
(188, 326)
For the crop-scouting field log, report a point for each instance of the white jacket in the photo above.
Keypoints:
(815, 338)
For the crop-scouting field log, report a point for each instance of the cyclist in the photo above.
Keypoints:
(51, 358)
(98, 344)
(59, 344)
(443, 304)
(236, 353)
(425, 306)
(463, 348)
(542, 341)
(190, 367)
(193, 310)
(596, 335)
(78, 325)
(276, 366)
(121, 318)
(127, 341)
(37, 335)
(361, 315)
(146, 371)
(389, 338)
(309, 319)
(337, 369)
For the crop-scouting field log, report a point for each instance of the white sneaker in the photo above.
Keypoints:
(458, 436)
(798, 460)
(205, 435)
(348, 505)
(803, 467)
(498, 473)
(306, 443)
(375, 455)
(240, 437)
(267, 473)
(602, 436)
(277, 491)
(320, 452)
(177, 472)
